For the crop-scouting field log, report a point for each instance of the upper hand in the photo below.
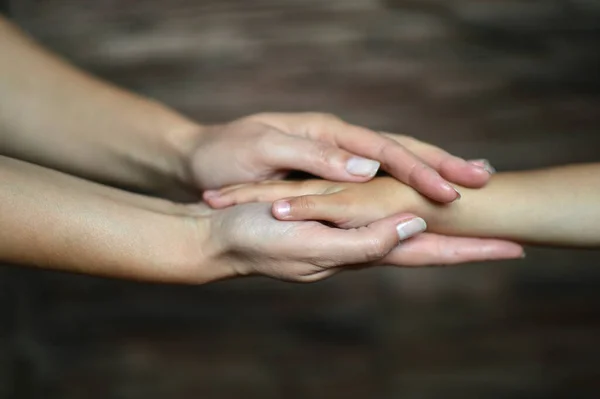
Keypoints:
(268, 146)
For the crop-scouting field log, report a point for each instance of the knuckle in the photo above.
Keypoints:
(383, 150)
(376, 249)
(324, 155)
(321, 151)
(414, 169)
(303, 203)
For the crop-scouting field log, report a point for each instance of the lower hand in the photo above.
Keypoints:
(247, 240)
(349, 205)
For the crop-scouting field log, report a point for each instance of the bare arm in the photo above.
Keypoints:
(54, 115)
(52, 220)
(558, 206)
(57, 116)
(49, 219)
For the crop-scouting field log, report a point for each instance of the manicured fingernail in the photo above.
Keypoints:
(457, 193)
(449, 188)
(359, 166)
(411, 228)
(282, 208)
(483, 164)
(211, 194)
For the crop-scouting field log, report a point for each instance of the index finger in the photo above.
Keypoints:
(395, 159)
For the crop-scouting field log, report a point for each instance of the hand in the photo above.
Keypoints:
(349, 205)
(249, 241)
(62, 222)
(268, 146)
(346, 205)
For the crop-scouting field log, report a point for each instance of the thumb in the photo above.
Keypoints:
(320, 159)
(365, 244)
(326, 207)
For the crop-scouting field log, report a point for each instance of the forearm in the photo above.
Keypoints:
(559, 206)
(52, 220)
(54, 115)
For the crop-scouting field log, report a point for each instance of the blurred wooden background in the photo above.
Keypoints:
(513, 81)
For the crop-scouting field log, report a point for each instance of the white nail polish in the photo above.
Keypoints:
(359, 166)
(411, 228)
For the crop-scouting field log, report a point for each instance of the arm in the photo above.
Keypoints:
(52, 220)
(57, 116)
(54, 115)
(558, 206)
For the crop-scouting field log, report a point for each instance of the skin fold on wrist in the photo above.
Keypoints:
(181, 139)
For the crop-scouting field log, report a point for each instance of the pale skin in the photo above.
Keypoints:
(63, 222)
(57, 116)
(556, 206)
(70, 145)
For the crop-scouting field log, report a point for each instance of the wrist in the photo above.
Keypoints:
(193, 254)
(180, 138)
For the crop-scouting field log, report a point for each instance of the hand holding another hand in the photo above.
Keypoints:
(351, 205)
(268, 146)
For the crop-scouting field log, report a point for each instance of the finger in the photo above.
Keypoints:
(434, 249)
(457, 170)
(263, 192)
(483, 164)
(318, 158)
(217, 199)
(328, 207)
(394, 158)
(336, 247)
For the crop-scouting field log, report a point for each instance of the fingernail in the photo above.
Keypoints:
(359, 166)
(457, 193)
(211, 194)
(450, 188)
(523, 255)
(411, 228)
(282, 208)
(483, 164)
